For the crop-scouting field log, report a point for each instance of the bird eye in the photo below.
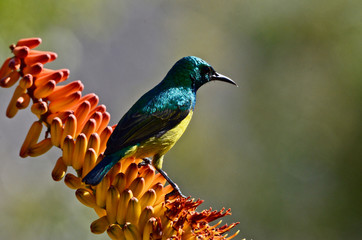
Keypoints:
(205, 70)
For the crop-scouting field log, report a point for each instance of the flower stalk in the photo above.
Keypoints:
(130, 200)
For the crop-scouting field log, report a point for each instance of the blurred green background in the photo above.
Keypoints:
(283, 150)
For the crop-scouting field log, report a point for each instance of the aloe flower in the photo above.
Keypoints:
(130, 200)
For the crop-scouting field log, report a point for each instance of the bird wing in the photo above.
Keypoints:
(136, 127)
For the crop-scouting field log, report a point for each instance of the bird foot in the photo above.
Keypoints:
(175, 192)
(145, 162)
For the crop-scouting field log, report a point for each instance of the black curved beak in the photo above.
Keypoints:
(219, 77)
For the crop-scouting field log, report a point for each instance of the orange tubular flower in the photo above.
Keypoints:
(130, 200)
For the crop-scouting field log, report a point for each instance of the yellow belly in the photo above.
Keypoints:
(159, 146)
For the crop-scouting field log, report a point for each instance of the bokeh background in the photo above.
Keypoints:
(283, 150)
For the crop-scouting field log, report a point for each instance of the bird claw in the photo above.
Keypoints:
(145, 162)
(175, 192)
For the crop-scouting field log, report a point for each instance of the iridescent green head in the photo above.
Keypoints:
(194, 72)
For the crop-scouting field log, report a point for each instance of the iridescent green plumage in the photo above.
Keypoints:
(158, 119)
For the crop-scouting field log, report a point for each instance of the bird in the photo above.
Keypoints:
(157, 120)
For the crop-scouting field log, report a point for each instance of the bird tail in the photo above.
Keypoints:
(95, 176)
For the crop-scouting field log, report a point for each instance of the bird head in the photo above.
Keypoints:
(194, 72)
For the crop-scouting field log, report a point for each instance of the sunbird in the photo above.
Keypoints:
(157, 120)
